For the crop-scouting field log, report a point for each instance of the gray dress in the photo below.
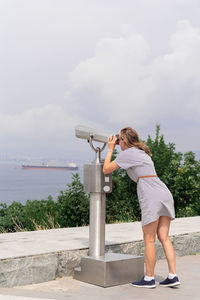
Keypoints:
(154, 197)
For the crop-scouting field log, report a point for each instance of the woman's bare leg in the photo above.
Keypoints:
(162, 233)
(149, 232)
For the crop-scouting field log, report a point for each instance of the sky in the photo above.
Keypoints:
(103, 64)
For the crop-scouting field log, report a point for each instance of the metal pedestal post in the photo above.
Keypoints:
(99, 268)
(97, 224)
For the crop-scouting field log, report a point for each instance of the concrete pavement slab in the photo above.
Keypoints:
(67, 288)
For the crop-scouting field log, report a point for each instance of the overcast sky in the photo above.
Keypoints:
(101, 63)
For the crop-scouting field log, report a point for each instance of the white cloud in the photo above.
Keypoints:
(37, 124)
(116, 77)
(120, 85)
(177, 76)
(125, 86)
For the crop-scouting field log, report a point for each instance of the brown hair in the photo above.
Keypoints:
(131, 138)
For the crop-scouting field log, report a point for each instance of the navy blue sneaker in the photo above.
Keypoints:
(170, 282)
(144, 283)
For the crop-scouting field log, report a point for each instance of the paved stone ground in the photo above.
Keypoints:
(188, 269)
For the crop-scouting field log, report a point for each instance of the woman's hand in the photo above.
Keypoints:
(112, 142)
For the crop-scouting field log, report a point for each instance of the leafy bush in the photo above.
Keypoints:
(37, 214)
(73, 205)
(11, 217)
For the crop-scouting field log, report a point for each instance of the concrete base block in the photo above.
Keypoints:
(110, 269)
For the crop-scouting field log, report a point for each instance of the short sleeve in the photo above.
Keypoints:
(127, 159)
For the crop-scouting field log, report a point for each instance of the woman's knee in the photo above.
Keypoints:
(149, 238)
(162, 237)
(149, 232)
(163, 229)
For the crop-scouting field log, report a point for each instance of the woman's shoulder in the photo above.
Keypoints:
(128, 158)
(130, 152)
(134, 150)
(138, 153)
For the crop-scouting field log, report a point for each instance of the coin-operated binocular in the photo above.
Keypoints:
(99, 268)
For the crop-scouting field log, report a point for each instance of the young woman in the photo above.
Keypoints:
(156, 201)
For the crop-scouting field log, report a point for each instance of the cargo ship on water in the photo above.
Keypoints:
(45, 166)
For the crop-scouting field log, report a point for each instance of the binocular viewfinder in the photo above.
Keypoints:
(84, 132)
(117, 141)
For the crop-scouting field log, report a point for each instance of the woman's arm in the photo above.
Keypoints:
(109, 166)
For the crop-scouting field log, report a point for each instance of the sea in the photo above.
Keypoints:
(17, 184)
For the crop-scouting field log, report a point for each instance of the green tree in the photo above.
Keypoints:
(73, 204)
(162, 154)
(186, 187)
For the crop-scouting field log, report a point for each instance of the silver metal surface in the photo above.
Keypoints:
(111, 269)
(97, 224)
(96, 149)
(94, 179)
(84, 132)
